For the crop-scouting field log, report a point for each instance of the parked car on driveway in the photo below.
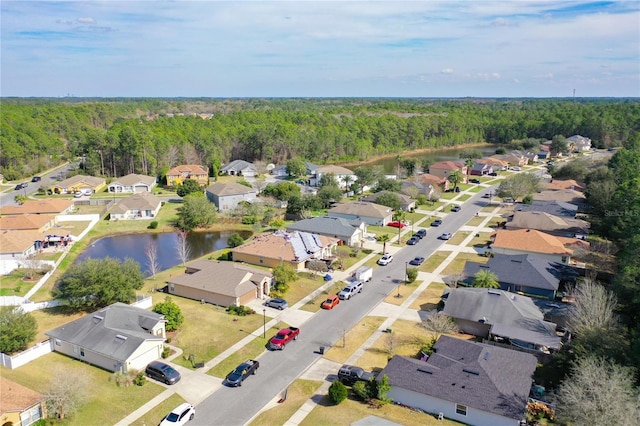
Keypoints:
(277, 303)
(241, 372)
(420, 233)
(413, 241)
(332, 300)
(445, 236)
(385, 259)
(493, 174)
(350, 374)
(474, 180)
(436, 222)
(180, 415)
(416, 261)
(396, 224)
(162, 372)
(516, 169)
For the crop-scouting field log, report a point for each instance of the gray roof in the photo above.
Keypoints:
(486, 378)
(527, 270)
(133, 179)
(515, 316)
(543, 221)
(238, 165)
(332, 226)
(230, 188)
(554, 207)
(226, 278)
(140, 201)
(116, 331)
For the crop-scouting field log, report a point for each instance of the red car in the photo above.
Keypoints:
(396, 224)
(331, 301)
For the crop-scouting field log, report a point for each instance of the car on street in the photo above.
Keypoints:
(78, 195)
(385, 259)
(284, 336)
(487, 195)
(445, 236)
(493, 174)
(180, 415)
(516, 169)
(332, 301)
(456, 208)
(277, 303)
(436, 222)
(351, 290)
(241, 372)
(350, 374)
(396, 224)
(413, 241)
(416, 261)
(162, 372)
(420, 233)
(36, 179)
(474, 180)
(21, 185)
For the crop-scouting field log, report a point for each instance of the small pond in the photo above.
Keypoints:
(135, 246)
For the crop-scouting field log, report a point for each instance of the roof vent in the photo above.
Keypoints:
(97, 318)
(475, 373)
(486, 355)
(495, 293)
(121, 337)
(422, 370)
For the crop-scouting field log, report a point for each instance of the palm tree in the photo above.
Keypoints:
(456, 177)
(469, 162)
(347, 180)
(384, 238)
(485, 279)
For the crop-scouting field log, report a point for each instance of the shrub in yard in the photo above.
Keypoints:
(412, 274)
(165, 352)
(338, 392)
(362, 390)
(241, 310)
(123, 379)
(140, 379)
(153, 224)
(235, 240)
(249, 220)
(169, 339)
(367, 251)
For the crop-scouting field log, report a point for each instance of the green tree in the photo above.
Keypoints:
(95, 283)
(366, 176)
(338, 392)
(17, 329)
(20, 199)
(283, 191)
(456, 177)
(388, 185)
(235, 240)
(329, 194)
(189, 186)
(296, 167)
(172, 313)
(384, 239)
(328, 179)
(485, 279)
(518, 186)
(559, 145)
(412, 274)
(196, 212)
(389, 199)
(382, 389)
(283, 275)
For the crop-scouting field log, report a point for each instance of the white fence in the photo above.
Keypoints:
(20, 359)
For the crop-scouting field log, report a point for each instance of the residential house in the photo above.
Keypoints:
(556, 208)
(221, 283)
(280, 171)
(526, 241)
(468, 382)
(528, 274)
(563, 185)
(19, 405)
(24, 222)
(444, 168)
(549, 223)
(178, 174)
(579, 143)
(143, 205)
(16, 245)
(294, 248)
(567, 196)
(78, 183)
(406, 202)
(227, 196)
(512, 159)
(429, 180)
(501, 316)
(481, 168)
(118, 337)
(341, 175)
(370, 213)
(47, 206)
(132, 183)
(239, 168)
(350, 232)
(495, 163)
(544, 154)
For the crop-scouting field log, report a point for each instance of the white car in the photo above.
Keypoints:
(516, 169)
(385, 260)
(180, 415)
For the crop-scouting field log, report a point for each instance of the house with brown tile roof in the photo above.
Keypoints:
(227, 195)
(15, 245)
(78, 183)
(512, 159)
(339, 172)
(563, 185)
(495, 162)
(294, 248)
(370, 213)
(178, 174)
(44, 206)
(20, 405)
(426, 183)
(525, 241)
(33, 222)
(143, 205)
(221, 283)
(549, 223)
(132, 183)
(444, 168)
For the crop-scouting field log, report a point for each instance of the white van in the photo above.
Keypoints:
(351, 290)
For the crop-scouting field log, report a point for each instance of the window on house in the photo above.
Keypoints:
(564, 259)
(172, 287)
(81, 352)
(261, 260)
(58, 342)
(461, 409)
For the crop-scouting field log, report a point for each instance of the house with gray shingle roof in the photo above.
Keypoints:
(132, 183)
(143, 205)
(118, 337)
(239, 168)
(227, 196)
(554, 207)
(468, 382)
(501, 316)
(371, 213)
(350, 232)
(221, 283)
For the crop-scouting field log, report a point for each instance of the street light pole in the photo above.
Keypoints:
(264, 323)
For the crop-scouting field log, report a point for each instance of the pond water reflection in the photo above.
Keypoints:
(134, 246)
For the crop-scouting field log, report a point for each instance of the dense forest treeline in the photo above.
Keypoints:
(121, 136)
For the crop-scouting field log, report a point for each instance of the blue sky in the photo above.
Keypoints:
(320, 48)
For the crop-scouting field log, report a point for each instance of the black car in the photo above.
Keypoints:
(493, 174)
(36, 179)
(350, 374)
(420, 233)
(244, 370)
(162, 372)
(474, 180)
(416, 261)
(436, 222)
(21, 185)
(413, 241)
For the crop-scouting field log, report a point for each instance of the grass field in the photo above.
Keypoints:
(458, 238)
(434, 261)
(429, 298)
(353, 339)
(481, 241)
(157, 414)
(405, 290)
(457, 265)
(297, 394)
(463, 197)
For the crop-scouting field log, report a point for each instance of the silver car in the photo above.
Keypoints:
(277, 303)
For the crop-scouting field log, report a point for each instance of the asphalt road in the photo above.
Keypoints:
(8, 198)
(236, 406)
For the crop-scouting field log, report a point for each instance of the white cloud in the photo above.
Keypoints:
(446, 71)
(89, 21)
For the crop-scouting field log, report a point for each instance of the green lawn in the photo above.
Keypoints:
(449, 195)
(475, 189)
(429, 298)
(431, 206)
(476, 221)
(463, 198)
(458, 237)
(434, 261)
(106, 401)
(480, 241)
(297, 394)
(16, 284)
(353, 339)
(457, 265)
(158, 413)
